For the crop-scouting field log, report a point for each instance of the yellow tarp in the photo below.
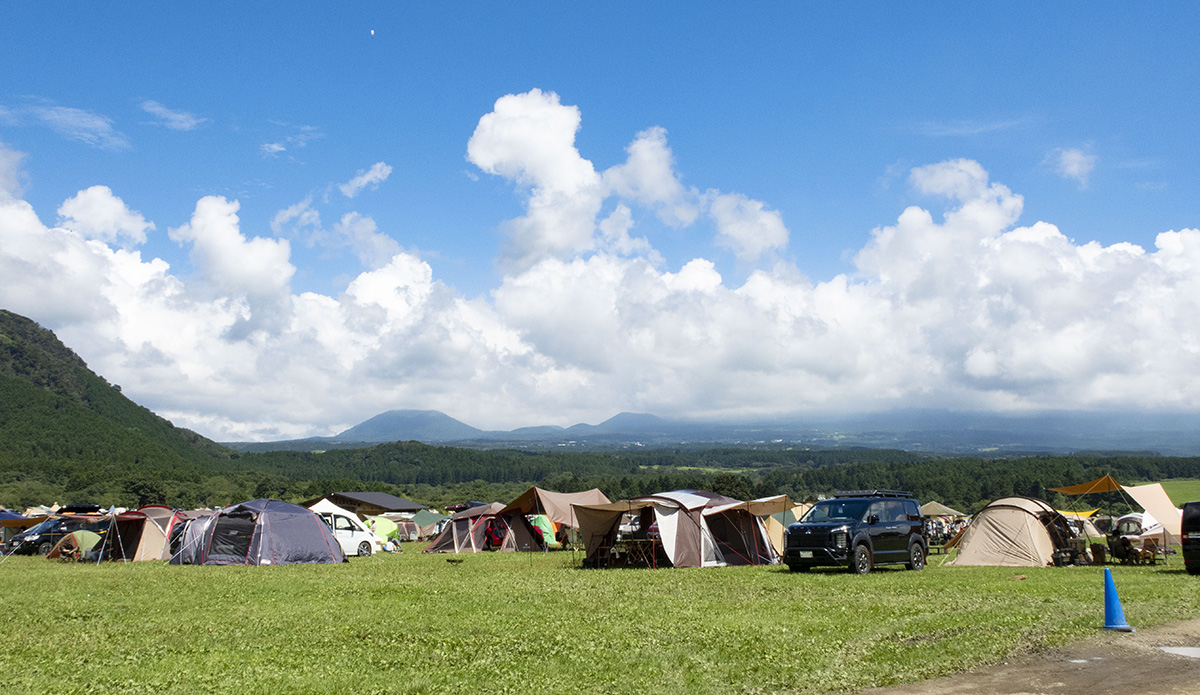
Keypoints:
(1105, 484)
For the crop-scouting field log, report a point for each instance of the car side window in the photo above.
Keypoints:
(341, 523)
(877, 510)
(914, 512)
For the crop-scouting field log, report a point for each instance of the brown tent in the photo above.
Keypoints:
(141, 534)
(477, 529)
(557, 506)
(1016, 532)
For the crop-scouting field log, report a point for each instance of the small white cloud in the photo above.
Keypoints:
(272, 149)
(365, 178)
(175, 120)
(298, 221)
(95, 213)
(81, 126)
(1073, 163)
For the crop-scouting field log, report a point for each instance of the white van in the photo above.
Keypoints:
(351, 533)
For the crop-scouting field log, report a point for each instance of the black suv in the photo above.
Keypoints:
(858, 530)
(41, 538)
(1190, 532)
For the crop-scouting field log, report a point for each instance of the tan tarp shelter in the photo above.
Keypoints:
(1154, 500)
(476, 529)
(1014, 532)
(939, 509)
(555, 505)
(696, 529)
(777, 524)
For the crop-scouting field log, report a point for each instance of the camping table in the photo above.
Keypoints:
(642, 551)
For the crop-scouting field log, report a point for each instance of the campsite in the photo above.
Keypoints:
(523, 617)
(533, 622)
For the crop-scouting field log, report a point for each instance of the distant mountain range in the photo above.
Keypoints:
(917, 430)
(53, 407)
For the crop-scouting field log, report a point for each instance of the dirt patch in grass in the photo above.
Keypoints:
(1114, 663)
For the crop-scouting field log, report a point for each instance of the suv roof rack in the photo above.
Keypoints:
(872, 493)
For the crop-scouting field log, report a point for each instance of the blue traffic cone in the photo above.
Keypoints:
(1114, 615)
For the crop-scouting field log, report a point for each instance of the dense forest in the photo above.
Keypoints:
(68, 436)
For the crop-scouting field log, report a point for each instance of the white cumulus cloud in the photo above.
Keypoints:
(968, 307)
(98, 214)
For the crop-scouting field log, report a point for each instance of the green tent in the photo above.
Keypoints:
(75, 544)
(383, 527)
(428, 522)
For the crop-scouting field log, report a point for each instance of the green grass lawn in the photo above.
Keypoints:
(1181, 491)
(532, 623)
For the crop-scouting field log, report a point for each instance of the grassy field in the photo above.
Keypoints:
(413, 623)
(1181, 491)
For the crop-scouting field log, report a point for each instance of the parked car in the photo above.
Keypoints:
(352, 534)
(1190, 535)
(40, 539)
(859, 530)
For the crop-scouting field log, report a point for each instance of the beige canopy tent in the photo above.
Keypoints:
(1014, 532)
(939, 509)
(696, 529)
(557, 506)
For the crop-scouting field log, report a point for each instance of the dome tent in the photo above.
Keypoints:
(267, 532)
(1014, 532)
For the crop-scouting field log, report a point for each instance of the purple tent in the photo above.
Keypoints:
(267, 532)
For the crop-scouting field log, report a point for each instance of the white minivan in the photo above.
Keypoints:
(351, 533)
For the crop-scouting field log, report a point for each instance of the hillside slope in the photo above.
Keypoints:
(59, 419)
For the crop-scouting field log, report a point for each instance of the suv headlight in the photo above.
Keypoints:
(841, 539)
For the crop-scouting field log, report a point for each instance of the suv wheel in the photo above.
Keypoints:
(45, 547)
(364, 549)
(916, 557)
(862, 560)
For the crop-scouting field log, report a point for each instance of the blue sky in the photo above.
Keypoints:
(549, 213)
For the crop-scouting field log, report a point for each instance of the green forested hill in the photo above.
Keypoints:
(63, 428)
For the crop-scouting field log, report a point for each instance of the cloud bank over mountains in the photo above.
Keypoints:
(954, 304)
